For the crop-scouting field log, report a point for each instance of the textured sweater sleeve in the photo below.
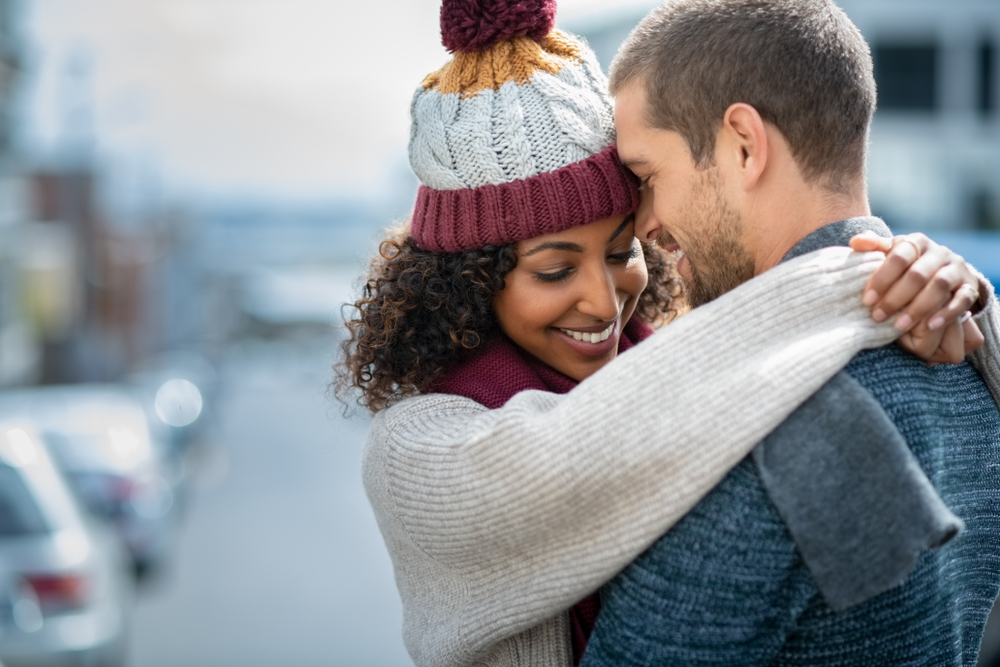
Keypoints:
(497, 520)
(987, 358)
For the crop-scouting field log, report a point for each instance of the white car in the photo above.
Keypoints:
(100, 437)
(65, 585)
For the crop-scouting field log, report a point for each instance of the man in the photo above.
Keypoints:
(866, 529)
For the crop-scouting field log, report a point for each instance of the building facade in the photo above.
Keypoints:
(20, 352)
(934, 160)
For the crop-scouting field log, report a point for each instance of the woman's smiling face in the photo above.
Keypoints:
(571, 293)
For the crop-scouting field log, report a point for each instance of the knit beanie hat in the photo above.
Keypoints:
(514, 137)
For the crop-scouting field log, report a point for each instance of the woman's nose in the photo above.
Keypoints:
(600, 296)
(647, 227)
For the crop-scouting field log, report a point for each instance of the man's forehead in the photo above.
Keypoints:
(630, 125)
(630, 104)
(632, 150)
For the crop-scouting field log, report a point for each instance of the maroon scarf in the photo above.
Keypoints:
(491, 378)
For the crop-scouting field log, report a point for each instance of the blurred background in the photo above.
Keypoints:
(188, 192)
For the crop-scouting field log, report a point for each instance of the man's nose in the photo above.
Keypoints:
(647, 227)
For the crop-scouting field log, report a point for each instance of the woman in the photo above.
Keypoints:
(512, 469)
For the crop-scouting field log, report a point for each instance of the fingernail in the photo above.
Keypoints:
(871, 296)
(936, 323)
(903, 322)
(878, 315)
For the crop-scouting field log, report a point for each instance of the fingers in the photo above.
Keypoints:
(973, 336)
(904, 253)
(952, 348)
(924, 283)
(870, 242)
(964, 297)
(948, 345)
(930, 276)
(922, 342)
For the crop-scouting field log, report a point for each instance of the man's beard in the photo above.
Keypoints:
(717, 259)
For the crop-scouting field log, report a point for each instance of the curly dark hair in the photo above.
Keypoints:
(421, 312)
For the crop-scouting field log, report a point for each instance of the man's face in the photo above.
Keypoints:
(684, 207)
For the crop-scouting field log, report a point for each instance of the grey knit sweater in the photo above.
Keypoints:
(727, 585)
(498, 521)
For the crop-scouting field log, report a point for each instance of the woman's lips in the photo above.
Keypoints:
(606, 336)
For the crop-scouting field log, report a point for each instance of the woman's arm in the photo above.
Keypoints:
(499, 519)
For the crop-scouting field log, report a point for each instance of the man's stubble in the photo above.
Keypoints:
(717, 259)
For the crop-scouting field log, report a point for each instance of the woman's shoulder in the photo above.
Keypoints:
(432, 421)
(414, 414)
(427, 404)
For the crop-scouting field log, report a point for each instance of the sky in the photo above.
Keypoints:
(188, 99)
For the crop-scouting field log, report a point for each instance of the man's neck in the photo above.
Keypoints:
(799, 216)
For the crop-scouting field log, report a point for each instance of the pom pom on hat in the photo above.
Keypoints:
(476, 25)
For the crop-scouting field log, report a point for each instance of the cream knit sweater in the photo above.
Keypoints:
(498, 521)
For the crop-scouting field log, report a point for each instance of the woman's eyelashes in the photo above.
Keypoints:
(553, 277)
(625, 257)
(612, 258)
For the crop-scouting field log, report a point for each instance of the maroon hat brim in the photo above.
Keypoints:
(592, 189)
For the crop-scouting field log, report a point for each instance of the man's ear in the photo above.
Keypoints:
(744, 137)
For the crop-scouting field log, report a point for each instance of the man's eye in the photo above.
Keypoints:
(644, 183)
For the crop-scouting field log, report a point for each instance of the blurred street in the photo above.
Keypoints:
(280, 560)
(189, 190)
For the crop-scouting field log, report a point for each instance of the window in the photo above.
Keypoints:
(986, 61)
(906, 75)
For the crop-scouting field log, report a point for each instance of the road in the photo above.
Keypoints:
(280, 561)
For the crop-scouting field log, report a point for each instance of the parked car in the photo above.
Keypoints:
(100, 438)
(65, 585)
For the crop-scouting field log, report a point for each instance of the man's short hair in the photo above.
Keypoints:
(801, 63)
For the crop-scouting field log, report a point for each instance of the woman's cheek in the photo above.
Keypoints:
(638, 274)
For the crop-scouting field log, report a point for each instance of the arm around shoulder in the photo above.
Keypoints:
(499, 519)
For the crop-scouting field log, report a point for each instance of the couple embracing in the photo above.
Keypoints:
(636, 399)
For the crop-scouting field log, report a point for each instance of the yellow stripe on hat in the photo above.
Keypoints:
(516, 60)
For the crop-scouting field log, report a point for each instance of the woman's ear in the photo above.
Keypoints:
(743, 142)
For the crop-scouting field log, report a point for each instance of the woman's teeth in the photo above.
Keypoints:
(589, 337)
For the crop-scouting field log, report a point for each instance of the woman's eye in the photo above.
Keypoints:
(624, 257)
(552, 277)
(644, 183)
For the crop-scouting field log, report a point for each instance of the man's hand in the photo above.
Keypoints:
(931, 288)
